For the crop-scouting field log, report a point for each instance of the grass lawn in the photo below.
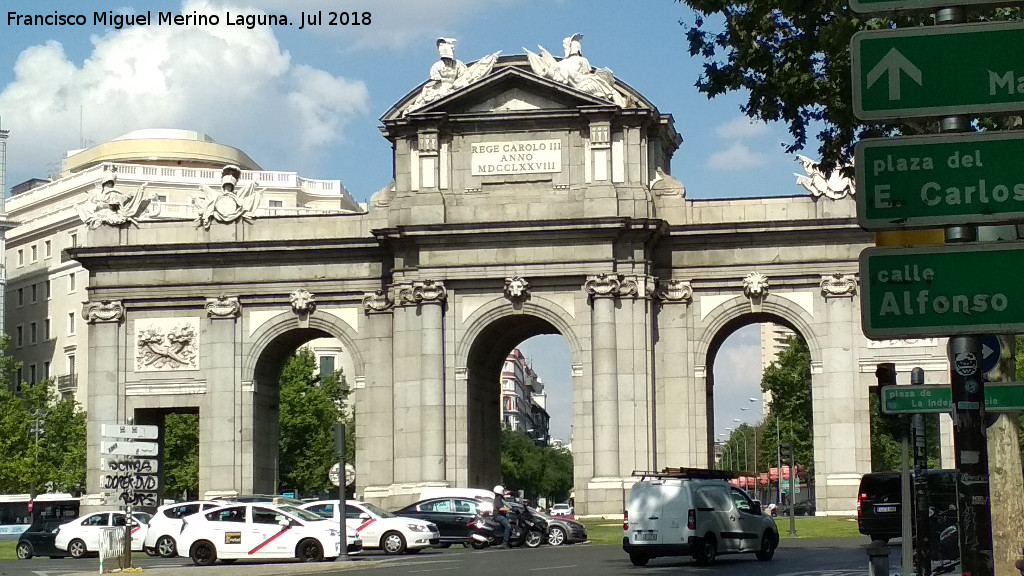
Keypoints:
(602, 531)
(7, 548)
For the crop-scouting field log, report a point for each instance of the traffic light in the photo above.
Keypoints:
(895, 424)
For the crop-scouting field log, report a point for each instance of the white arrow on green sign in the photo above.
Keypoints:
(869, 6)
(935, 291)
(940, 180)
(999, 397)
(938, 71)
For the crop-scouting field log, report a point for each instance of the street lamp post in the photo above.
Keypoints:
(746, 461)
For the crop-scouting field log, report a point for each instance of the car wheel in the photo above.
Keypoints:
(706, 550)
(309, 550)
(768, 545)
(638, 559)
(556, 536)
(23, 551)
(165, 547)
(534, 538)
(203, 553)
(392, 543)
(77, 548)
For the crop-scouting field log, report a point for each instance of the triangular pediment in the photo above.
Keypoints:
(508, 89)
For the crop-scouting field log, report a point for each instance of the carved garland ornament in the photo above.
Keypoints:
(838, 284)
(223, 307)
(303, 302)
(103, 311)
(419, 292)
(377, 301)
(161, 345)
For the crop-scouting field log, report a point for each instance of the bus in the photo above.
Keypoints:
(17, 511)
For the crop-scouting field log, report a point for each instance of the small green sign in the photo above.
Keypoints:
(999, 397)
(935, 291)
(785, 486)
(941, 180)
(869, 6)
(938, 71)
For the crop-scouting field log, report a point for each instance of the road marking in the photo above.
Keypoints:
(551, 568)
(432, 570)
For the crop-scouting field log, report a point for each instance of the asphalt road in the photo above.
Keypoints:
(800, 557)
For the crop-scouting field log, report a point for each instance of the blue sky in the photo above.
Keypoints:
(310, 100)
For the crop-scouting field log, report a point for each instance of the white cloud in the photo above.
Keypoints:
(735, 158)
(233, 83)
(737, 376)
(741, 128)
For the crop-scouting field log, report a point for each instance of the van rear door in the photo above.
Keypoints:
(646, 507)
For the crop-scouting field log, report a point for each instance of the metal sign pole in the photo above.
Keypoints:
(339, 449)
(922, 532)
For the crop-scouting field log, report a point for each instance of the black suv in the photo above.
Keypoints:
(879, 506)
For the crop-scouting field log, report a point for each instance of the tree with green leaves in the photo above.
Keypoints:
(181, 456)
(788, 419)
(793, 61)
(310, 407)
(540, 472)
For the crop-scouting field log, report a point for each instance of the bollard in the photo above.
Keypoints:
(878, 558)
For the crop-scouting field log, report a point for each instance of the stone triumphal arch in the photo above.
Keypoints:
(530, 196)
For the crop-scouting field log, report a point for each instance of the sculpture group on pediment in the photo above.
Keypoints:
(229, 203)
(575, 71)
(448, 74)
(834, 185)
(112, 207)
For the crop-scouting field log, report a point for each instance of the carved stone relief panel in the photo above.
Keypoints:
(166, 344)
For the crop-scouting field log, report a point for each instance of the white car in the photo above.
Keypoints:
(259, 530)
(82, 535)
(165, 525)
(562, 509)
(380, 529)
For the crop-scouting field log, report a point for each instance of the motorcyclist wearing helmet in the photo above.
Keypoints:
(501, 513)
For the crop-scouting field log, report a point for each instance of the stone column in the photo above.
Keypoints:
(430, 298)
(105, 404)
(375, 443)
(226, 463)
(603, 290)
(672, 397)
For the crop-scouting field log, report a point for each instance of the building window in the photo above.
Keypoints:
(46, 370)
(326, 366)
(73, 239)
(32, 375)
(46, 329)
(19, 335)
(18, 378)
(33, 333)
(161, 197)
(47, 249)
(277, 204)
(35, 253)
(72, 282)
(49, 291)
(34, 291)
(21, 257)
(21, 296)
(71, 323)
(71, 363)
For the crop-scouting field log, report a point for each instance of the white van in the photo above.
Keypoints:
(690, 511)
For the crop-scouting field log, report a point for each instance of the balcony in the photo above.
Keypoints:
(67, 383)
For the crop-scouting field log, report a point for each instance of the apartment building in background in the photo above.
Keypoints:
(523, 400)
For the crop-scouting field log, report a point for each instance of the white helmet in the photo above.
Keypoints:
(499, 489)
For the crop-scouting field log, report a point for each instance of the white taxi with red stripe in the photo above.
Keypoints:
(82, 535)
(380, 529)
(259, 531)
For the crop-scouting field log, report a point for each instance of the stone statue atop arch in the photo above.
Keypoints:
(834, 185)
(575, 71)
(112, 207)
(448, 74)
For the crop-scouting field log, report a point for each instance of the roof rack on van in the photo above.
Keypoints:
(687, 473)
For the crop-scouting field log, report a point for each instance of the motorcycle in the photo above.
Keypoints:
(946, 549)
(484, 531)
(534, 525)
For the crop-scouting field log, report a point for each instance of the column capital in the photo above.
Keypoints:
(603, 285)
(674, 291)
(838, 285)
(427, 291)
(377, 301)
(103, 311)
(223, 307)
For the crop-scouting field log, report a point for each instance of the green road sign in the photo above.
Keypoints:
(999, 397)
(938, 71)
(934, 291)
(869, 6)
(785, 486)
(942, 180)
